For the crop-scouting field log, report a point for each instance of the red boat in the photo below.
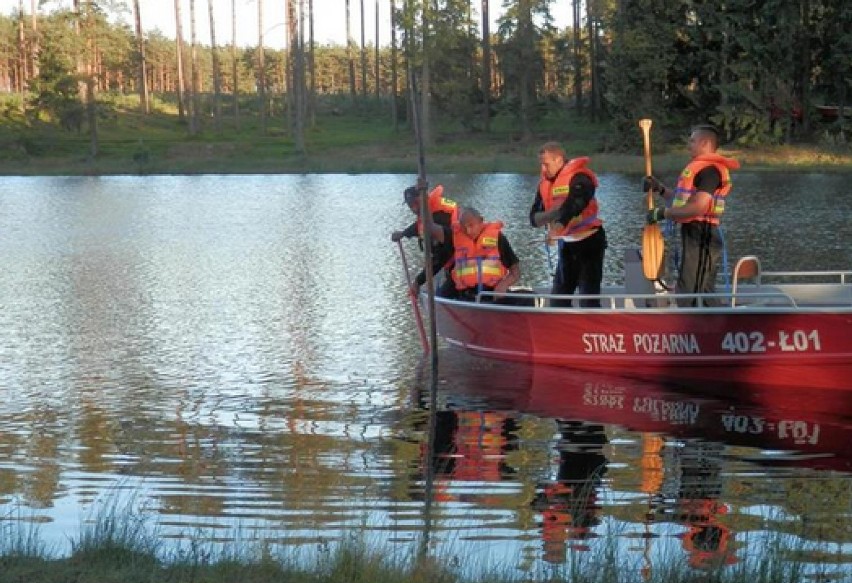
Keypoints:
(778, 329)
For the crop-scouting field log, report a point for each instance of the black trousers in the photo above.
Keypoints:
(580, 269)
(701, 249)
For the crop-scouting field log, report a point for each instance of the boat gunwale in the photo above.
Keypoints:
(754, 299)
(787, 308)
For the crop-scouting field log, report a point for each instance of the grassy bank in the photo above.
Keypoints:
(344, 138)
(110, 560)
(121, 544)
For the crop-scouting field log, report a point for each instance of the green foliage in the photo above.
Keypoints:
(454, 82)
(756, 68)
(56, 92)
(642, 58)
(520, 54)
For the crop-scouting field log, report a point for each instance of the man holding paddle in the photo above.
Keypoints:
(565, 202)
(697, 203)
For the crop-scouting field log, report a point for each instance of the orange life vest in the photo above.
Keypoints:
(477, 263)
(437, 203)
(685, 188)
(554, 192)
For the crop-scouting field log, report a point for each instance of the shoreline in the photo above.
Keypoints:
(236, 158)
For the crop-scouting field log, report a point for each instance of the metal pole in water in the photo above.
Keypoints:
(426, 220)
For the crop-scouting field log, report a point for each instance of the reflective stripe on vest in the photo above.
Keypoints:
(685, 188)
(477, 263)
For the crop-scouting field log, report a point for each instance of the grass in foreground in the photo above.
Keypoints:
(119, 546)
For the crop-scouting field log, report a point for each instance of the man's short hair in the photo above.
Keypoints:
(410, 194)
(708, 131)
(552, 148)
(469, 210)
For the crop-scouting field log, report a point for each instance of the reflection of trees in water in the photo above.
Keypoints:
(40, 451)
(821, 507)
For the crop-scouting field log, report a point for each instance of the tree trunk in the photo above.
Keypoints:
(363, 55)
(486, 67)
(312, 101)
(144, 104)
(217, 86)
(349, 57)
(408, 51)
(394, 71)
(578, 63)
(91, 104)
(528, 46)
(299, 85)
(261, 67)
(425, 89)
(289, 64)
(179, 54)
(234, 66)
(376, 56)
(36, 45)
(590, 25)
(805, 68)
(195, 118)
(22, 54)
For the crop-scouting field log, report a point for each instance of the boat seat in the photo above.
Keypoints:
(635, 281)
(746, 269)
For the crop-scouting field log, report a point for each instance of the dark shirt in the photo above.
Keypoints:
(441, 252)
(507, 254)
(581, 191)
(708, 180)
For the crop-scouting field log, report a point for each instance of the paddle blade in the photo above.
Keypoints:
(652, 251)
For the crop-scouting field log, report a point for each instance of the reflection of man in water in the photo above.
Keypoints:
(707, 540)
(569, 505)
(471, 446)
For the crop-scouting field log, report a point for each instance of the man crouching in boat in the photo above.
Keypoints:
(697, 203)
(483, 258)
(444, 212)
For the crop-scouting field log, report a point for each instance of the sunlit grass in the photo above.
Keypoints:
(345, 136)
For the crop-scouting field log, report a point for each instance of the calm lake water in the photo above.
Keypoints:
(234, 358)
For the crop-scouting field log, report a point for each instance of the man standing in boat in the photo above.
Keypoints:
(565, 202)
(444, 212)
(697, 203)
(483, 259)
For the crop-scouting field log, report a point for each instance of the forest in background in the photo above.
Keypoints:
(761, 70)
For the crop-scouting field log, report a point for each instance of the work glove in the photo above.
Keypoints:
(656, 215)
(396, 236)
(651, 183)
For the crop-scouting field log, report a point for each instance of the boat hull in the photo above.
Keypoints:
(801, 348)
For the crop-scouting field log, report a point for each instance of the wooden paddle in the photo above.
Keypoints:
(652, 237)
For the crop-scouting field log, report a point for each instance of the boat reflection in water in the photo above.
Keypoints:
(669, 466)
